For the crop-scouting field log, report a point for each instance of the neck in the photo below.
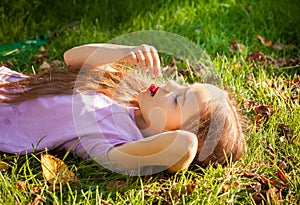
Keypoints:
(146, 129)
(139, 120)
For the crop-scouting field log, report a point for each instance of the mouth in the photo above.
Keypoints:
(152, 89)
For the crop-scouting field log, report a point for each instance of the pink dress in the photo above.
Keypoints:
(87, 125)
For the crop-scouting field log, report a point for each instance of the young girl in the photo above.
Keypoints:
(115, 115)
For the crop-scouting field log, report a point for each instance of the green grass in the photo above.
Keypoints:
(210, 24)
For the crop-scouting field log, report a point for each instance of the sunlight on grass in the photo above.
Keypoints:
(211, 25)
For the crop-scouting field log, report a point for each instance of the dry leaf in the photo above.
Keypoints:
(36, 200)
(271, 150)
(263, 114)
(282, 176)
(263, 109)
(188, 189)
(21, 185)
(116, 184)
(259, 57)
(276, 183)
(4, 166)
(249, 104)
(45, 65)
(256, 186)
(286, 131)
(282, 165)
(191, 188)
(55, 169)
(264, 180)
(55, 64)
(248, 9)
(264, 41)
(278, 46)
(35, 190)
(236, 46)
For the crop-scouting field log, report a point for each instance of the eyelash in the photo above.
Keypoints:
(176, 98)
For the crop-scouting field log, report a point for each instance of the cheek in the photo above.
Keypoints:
(157, 114)
(157, 119)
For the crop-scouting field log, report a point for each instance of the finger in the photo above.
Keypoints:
(156, 62)
(132, 58)
(141, 59)
(148, 59)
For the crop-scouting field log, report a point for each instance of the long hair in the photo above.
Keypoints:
(123, 85)
(219, 131)
(119, 85)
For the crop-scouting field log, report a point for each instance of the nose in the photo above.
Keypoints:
(172, 86)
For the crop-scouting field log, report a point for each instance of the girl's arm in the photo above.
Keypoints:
(175, 150)
(95, 55)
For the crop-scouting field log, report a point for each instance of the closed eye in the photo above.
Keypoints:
(175, 98)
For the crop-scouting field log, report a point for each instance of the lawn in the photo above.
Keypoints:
(254, 46)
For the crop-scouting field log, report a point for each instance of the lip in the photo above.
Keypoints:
(152, 89)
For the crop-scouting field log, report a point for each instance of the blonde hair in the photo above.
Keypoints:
(219, 131)
(223, 125)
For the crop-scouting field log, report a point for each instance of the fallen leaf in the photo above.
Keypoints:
(105, 202)
(287, 61)
(236, 46)
(265, 42)
(278, 46)
(258, 56)
(264, 180)
(286, 131)
(42, 49)
(21, 185)
(225, 187)
(258, 199)
(272, 195)
(54, 187)
(263, 114)
(276, 183)
(4, 166)
(263, 109)
(191, 188)
(36, 200)
(256, 186)
(271, 150)
(297, 79)
(282, 165)
(44, 66)
(35, 190)
(249, 104)
(290, 47)
(116, 184)
(248, 9)
(55, 64)
(236, 184)
(55, 170)
(282, 176)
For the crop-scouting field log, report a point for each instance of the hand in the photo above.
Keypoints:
(147, 57)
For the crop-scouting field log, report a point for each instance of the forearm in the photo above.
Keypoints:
(175, 150)
(93, 55)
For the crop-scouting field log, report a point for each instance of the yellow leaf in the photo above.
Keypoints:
(265, 42)
(55, 170)
(268, 43)
(3, 166)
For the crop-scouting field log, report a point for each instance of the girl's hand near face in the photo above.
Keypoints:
(146, 57)
(95, 55)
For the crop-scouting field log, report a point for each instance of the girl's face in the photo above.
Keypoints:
(169, 106)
